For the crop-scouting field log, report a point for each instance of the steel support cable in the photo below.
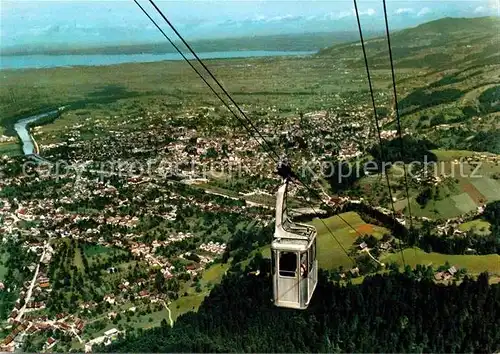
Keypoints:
(227, 94)
(340, 217)
(396, 107)
(200, 75)
(368, 75)
(213, 76)
(323, 222)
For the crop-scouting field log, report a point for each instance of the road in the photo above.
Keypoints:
(73, 330)
(32, 285)
(375, 259)
(169, 314)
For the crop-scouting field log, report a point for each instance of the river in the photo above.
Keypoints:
(23, 132)
(52, 61)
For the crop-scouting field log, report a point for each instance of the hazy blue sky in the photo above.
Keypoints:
(101, 22)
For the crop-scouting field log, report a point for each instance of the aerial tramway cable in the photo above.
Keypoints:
(326, 225)
(368, 75)
(397, 109)
(212, 76)
(227, 106)
(197, 72)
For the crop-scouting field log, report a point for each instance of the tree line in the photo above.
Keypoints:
(426, 239)
(396, 312)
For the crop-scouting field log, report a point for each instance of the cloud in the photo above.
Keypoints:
(343, 14)
(247, 21)
(494, 4)
(351, 13)
(404, 10)
(424, 11)
(480, 9)
(369, 12)
(283, 18)
(261, 19)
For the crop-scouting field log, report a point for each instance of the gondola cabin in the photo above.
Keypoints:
(295, 269)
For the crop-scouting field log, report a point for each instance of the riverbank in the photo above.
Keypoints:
(23, 128)
(36, 150)
(7, 121)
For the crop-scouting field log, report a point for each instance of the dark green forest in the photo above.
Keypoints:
(459, 139)
(406, 149)
(420, 99)
(489, 100)
(397, 312)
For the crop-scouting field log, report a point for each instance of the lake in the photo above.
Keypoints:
(52, 61)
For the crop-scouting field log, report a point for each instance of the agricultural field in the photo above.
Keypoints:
(468, 180)
(193, 299)
(214, 273)
(96, 250)
(473, 263)
(10, 148)
(489, 188)
(186, 304)
(474, 189)
(478, 227)
(98, 253)
(78, 260)
(329, 253)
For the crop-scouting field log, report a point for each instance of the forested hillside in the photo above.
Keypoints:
(391, 313)
(447, 74)
(464, 41)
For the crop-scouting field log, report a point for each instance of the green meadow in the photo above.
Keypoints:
(473, 263)
(329, 252)
(330, 255)
(478, 226)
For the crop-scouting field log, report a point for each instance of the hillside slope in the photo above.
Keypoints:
(438, 44)
(392, 313)
(447, 74)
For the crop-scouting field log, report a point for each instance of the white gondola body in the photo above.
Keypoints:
(295, 268)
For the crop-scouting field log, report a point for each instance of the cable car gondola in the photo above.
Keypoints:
(295, 268)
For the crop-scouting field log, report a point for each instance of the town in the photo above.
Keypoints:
(138, 218)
